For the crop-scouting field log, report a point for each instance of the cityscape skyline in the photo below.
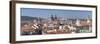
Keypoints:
(47, 21)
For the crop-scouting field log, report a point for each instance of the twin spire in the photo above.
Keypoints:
(53, 17)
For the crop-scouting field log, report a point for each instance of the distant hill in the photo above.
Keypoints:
(28, 18)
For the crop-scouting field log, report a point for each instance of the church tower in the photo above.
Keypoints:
(78, 22)
(52, 18)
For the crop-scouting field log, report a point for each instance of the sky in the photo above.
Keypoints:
(46, 13)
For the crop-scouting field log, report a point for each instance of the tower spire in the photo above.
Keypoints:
(55, 16)
(52, 18)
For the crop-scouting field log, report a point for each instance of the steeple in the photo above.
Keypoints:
(88, 19)
(55, 17)
(77, 22)
(52, 18)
